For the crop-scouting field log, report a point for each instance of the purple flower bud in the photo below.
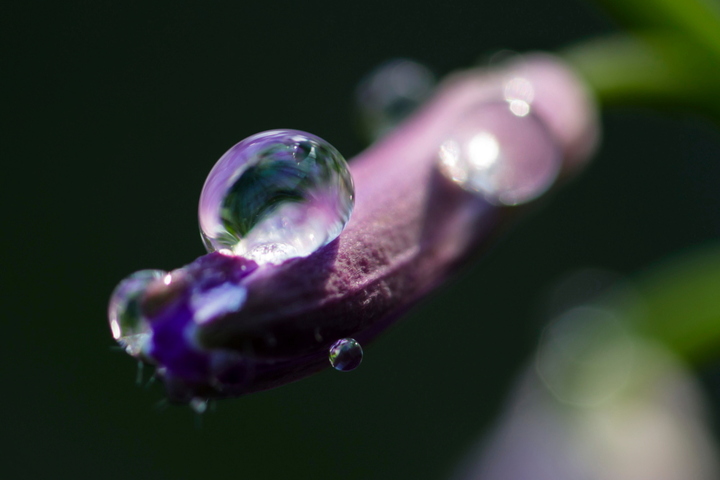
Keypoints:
(225, 326)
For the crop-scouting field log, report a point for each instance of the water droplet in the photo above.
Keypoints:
(128, 327)
(345, 355)
(502, 152)
(276, 195)
(198, 405)
(391, 92)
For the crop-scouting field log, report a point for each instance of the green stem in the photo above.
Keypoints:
(670, 60)
(696, 20)
(656, 69)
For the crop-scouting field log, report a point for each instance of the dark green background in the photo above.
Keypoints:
(113, 113)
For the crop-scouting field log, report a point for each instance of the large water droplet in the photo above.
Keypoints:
(503, 152)
(276, 195)
(128, 327)
(345, 355)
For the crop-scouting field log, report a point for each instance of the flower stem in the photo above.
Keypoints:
(669, 59)
(654, 68)
(696, 20)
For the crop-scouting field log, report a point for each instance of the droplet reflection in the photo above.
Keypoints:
(519, 93)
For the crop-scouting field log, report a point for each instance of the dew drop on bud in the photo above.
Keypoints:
(128, 326)
(390, 93)
(345, 355)
(502, 152)
(276, 195)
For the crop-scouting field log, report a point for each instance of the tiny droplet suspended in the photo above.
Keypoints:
(345, 355)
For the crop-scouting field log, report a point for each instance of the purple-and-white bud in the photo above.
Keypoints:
(428, 197)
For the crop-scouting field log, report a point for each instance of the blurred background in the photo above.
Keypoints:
(114, 113)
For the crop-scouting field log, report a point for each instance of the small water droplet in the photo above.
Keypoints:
(390, 93)
(345, 355)
(504, 154)
(128, 327)
(198, 405)
(276, 195)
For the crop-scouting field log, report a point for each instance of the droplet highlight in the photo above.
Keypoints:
(345, 355)
(127, 324)
(501, 151)
(276, 195)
